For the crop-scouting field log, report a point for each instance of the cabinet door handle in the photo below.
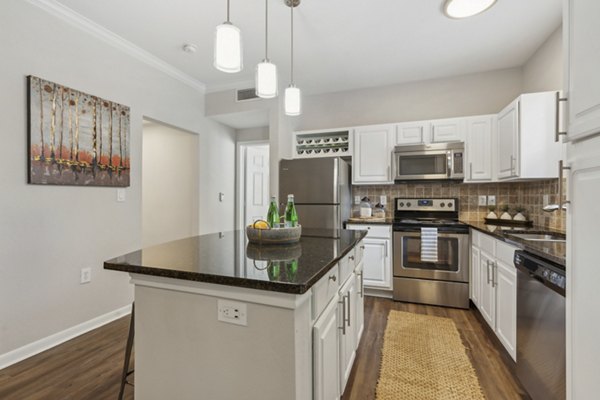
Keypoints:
(362, 284)
(351, 258)
(558, 132)
(386, 249)
(470, 170)
(512, 165)
(332, 278)
(349, 308)
(494, 274)
(343, 303)
(487, 262)
(561, 168)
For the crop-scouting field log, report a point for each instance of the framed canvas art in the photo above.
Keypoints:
(76, 138)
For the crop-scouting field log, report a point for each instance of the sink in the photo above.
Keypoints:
(539, 237)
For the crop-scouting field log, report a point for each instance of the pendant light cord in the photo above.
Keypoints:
(227, 10)
(292, 44)
(266, 29)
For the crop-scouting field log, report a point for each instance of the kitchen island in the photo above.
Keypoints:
(218, 318)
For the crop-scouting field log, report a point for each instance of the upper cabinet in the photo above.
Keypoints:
(412, 133)
(448, 130)
(372, 155)
(479, 148)
(526, 146)
(582, 61)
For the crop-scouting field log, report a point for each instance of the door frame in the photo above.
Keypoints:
(240, 178)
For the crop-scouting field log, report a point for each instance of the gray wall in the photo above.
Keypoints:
(544, 70)
(251, 134)
(47, 234)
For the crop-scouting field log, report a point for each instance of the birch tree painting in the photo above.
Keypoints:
(76, 138)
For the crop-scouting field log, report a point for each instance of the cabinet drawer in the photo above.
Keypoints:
(505, 253)
(324, 290)
(375, 231)
(487, 244)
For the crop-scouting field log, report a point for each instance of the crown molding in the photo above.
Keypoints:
(88, 26)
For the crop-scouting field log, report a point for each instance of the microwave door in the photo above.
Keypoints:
(422, 165)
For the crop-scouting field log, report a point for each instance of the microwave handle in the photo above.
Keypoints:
(449, 164)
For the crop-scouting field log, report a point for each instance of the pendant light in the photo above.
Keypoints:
(293, 99)
(266, 71)
(466, 8)
(228, 47)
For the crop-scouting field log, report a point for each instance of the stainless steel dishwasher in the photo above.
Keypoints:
(541, 344)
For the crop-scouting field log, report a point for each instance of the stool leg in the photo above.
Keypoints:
(128, 349)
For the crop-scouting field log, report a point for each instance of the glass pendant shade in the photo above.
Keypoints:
(266, 80)
(466, 8)
(228, 48)
(293, 101)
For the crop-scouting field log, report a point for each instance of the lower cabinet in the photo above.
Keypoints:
(377, 255)
(337, 331)
(494, 287)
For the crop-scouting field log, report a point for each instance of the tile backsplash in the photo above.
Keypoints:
(529, 195)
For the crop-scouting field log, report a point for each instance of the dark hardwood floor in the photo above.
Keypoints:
(89, 367)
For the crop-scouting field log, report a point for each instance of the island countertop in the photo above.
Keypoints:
(227, 258)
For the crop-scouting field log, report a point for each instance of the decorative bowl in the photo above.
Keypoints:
(274, 236)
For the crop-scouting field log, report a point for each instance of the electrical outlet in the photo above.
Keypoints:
(356, 199)
(232, 312)
(492, 200)
(85, 275)
(482, 200)
(121, 195)
(383, 199)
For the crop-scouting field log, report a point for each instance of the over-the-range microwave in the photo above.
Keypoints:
(436, 161)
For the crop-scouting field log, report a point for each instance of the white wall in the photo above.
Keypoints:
(251, 134)
(48, 233)
(473, 94)
(544, 69)
(170, 184)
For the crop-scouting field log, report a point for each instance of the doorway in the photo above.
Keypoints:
(170, 183)
(252, 181)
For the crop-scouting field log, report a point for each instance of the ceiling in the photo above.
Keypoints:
(340, 44)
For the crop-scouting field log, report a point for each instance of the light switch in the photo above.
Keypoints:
(356, 199)
(120, 195)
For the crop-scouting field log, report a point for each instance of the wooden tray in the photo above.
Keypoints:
(507, 222)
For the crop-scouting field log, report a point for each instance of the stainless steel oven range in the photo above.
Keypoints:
(431, 247)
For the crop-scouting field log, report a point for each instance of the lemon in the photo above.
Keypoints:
(261, 225)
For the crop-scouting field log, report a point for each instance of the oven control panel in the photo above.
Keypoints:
(426, 204)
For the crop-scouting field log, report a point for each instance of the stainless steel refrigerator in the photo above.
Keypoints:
(321, 189)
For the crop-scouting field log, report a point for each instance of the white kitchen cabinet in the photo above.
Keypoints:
(359, 310)
(326, 360)
(581, 31)
(505, 280)
(479, 149)
(448, 130)
(495, 289)
(346, 335)
(372, 155)
(526, 146)
(377, 258)
(413, 133)
(475, 274)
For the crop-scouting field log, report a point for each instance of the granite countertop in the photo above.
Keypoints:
(551, 251)
(227, 258)
(387, 221)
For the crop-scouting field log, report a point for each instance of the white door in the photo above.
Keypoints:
(347, 335)
(479, 149)
(506, 312)
(582, 30)
(508, 141)
(583, 274)
(475, 273)
(360, 304)
(487, 294)
(372, 154)
(377, 263)
(412, 133)
(326, 354)
(256, 192)
(447, 130)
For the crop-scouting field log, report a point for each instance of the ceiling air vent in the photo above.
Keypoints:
(246, 94)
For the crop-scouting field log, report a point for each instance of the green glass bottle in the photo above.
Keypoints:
(291, 217)
(273, 214)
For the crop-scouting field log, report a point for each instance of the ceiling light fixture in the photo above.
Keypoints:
(466, 8)
(266, 71)
(228, 47)
(293, 99)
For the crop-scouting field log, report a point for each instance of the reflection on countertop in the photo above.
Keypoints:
(551, 251)
(227, 258)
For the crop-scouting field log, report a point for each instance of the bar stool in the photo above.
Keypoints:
(128, 348)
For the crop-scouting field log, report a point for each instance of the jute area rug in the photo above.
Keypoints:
(423, 358)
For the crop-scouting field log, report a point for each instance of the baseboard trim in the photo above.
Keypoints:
(383, 293)
(31, 349)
